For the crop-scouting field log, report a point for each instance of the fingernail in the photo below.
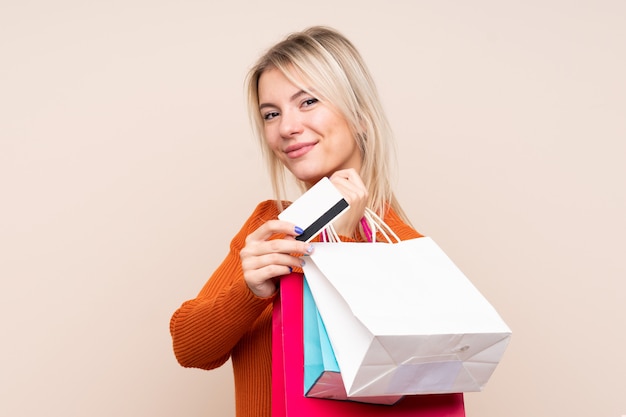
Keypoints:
(298, 230)
(309, 249)
(302, 262)
(290, 269)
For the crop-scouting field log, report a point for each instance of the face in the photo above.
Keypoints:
(310, 138)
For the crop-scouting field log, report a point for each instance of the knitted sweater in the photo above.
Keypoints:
(226, 320)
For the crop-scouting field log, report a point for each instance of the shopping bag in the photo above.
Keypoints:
(403, 319)
(322, 378)
(288, 399)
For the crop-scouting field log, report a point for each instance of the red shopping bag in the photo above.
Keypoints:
(288, 398)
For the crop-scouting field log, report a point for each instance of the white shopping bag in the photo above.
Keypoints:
(403, 319)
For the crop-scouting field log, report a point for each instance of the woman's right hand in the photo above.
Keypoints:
(264, 260)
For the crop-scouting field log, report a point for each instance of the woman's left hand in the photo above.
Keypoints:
(351, 187)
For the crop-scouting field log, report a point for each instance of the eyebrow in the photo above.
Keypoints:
(292, 98)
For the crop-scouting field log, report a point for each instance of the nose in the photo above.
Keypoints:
(290, 124)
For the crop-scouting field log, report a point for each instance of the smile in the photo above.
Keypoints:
(299, 149)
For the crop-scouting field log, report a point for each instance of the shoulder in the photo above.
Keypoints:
(403, 230)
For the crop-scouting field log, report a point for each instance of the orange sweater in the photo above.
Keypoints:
(226, 320)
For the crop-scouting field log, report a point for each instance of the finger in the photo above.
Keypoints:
(275, 246)
(262, 279)
(348, 179)
(349, 174)
(351, 190)
(269, 261)
(272, 227)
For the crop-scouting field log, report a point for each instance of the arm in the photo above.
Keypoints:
(205, 329)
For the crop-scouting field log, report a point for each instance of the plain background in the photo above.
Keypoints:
(127, 165)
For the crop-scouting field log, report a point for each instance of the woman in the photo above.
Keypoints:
(316, 112)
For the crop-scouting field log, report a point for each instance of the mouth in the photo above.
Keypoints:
(299, 149)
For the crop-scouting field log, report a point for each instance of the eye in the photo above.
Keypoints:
(270, 115)
(309, 102)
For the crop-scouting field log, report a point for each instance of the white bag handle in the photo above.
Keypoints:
(371, 223)
(374, 222)
(329, 234)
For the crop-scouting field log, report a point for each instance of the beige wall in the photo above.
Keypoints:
(126, 165)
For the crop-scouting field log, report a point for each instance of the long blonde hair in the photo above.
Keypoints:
(337, 75)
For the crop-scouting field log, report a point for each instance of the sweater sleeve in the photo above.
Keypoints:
(205, 329)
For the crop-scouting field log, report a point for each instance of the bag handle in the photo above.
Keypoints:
(375, 222)
(371, 224)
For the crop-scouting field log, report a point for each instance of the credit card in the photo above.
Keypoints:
(315, 209)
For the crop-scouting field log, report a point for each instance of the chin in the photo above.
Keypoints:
(309, 179)
(308, 172)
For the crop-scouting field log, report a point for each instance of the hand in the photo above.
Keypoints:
(351, 187)
(263, 260)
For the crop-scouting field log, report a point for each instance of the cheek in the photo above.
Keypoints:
(270, 138)
(330, 123)
(320, 120)
(274, 145)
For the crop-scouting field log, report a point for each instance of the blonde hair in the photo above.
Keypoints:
(336, 75)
